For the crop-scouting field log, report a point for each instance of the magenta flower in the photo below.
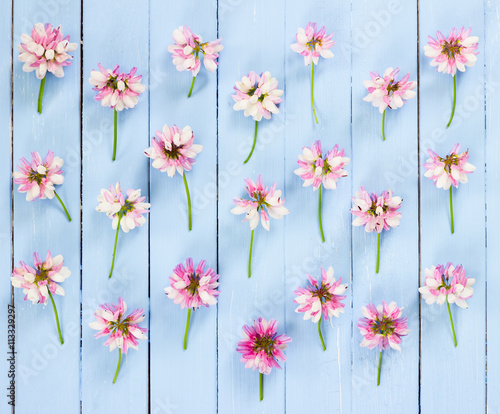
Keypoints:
(449, 171)
(262, 347)
(386, 92)
(126, 212)
(317, 171)
(447, 284)
(193, 287)
(173, 150)
(117, 90)
(41, 281)
(123, 331)
(38, 178)
(257, 96)
(312, 44)
(263, 202)
(187, 49)
(449, 54)
(376, 213)
(45, 51)
(321, 298)
(383, 327)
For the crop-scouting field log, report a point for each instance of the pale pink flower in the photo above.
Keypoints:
(173, 150)
(449, 171)
(43, 277)
(455, 52)
(312, 43)
(387, 92)
(262, 347)
(45, 51)
(258, 96)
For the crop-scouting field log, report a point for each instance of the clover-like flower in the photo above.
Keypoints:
(382, 326)
(321, 298)
(46, 50)
(258, 97)
(447, 284)
(173, 150)
(38, 178)
(41, 281)
(262, 348)
(124, 331)
(456, 51)
(187, 50)
(312, 44)
(319, 171)
(125, 211)
(192, 287)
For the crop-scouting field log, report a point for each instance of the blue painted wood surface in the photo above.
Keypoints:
(428, 376)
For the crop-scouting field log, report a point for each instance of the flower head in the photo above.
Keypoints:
(448, 171)
(36, 281)
(128, 210)
(267, 200)
(37, 179)
(321, 298)
(376, 212)
(117, 90)
(312, 43)
(262, 347)
(387, 92)
(173, 150)
(189, 47)
(193, 287)
(123, 331)
(383, 326)
(258, 96)
(442, 282)
(316, 169)
(455, 52)
(45, 50)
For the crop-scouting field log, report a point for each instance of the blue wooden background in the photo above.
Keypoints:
(428, 376)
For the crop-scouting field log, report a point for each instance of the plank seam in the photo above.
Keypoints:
(12, 156)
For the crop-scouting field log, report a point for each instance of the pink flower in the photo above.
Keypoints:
(455, 52)
(173, 150)
(386, 92)
(262, 347)
(323, 298)
(316, 169)
(267, 200)
(187, 50)
(383, 326)
(258, 96)
(192, 288)
(45, 50)
(447, 284)
(312, 44)
(449, 171)
(43, 277)
(376, 212)
(117, 90)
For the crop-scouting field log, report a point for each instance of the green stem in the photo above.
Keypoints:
(116, 241)
(378, 253)
(451, 211)
(63, 206)
(40, 94)
(312, 93)
(190, 224)
(383, 125)
(116, 134)
(250, 256)
(118, 366)
(451, 320)
(254, 142)
(320, 335)
(261, 385)
(191, 89)
(379, 366)
(454, 101)
(187, 329)
(57, 317)
(319, 216)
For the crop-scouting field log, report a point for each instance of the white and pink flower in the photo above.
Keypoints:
(311, 43)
